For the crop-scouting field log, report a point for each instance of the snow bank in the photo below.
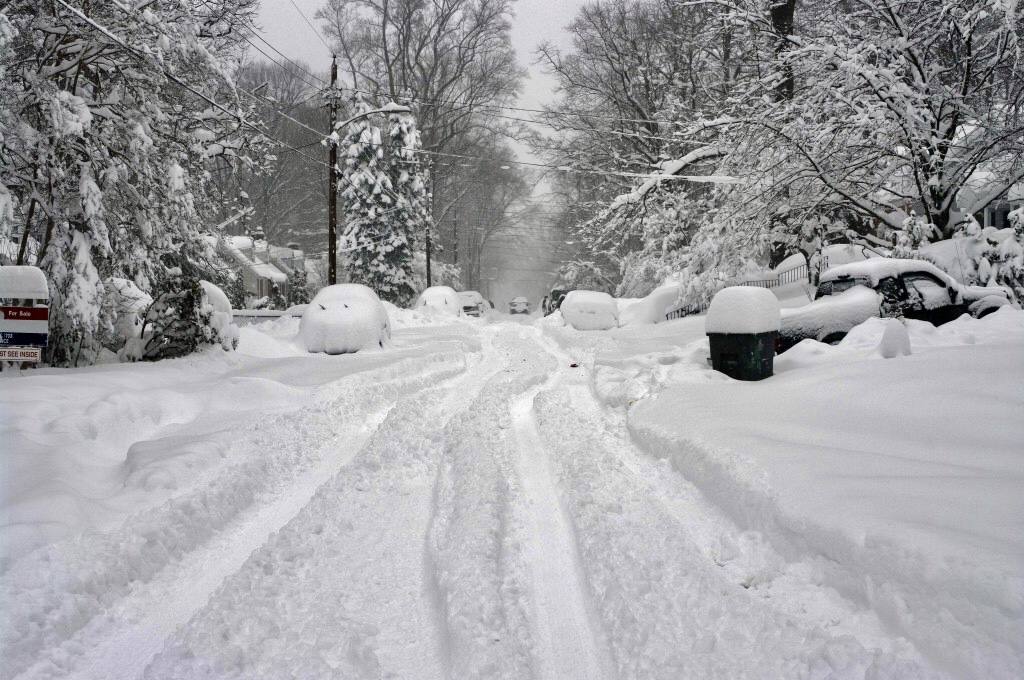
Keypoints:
(831, 314)
(743, 309)
(903, 476)
(440, 299)
(344, 318)
(23, 282)
(588, 310)
(651, 309)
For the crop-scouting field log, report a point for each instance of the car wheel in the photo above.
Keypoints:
(833, 338)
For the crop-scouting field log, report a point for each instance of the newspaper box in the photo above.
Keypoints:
(24, 313)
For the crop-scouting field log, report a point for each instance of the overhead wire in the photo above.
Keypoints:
(310, 24)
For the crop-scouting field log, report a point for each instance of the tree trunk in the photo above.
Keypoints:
(782, 13)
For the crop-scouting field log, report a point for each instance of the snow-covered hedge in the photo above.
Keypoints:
(345, 318)
(590, 310)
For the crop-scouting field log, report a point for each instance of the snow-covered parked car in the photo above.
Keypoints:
(473, 303)
(590, 310)
(519, 305)
(344, 318)
(441, 299)
(852, 293)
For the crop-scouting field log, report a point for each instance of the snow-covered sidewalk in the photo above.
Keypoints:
(897, 481)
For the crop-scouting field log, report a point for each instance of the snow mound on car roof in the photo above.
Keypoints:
(590, 310)
(344, 318)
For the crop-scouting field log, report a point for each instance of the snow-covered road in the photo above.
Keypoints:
(471, 504)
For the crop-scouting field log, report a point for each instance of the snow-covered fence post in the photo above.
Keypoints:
(742, 326)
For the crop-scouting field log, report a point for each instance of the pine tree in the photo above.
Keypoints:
(298, 287)
(376, 245)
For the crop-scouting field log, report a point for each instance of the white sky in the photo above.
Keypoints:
(535, 21)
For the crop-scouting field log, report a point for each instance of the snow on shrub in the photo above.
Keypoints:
(442, 299)
(589, 310)
(188, 315)
(344, 318)
(651, 309)
(124, 308)
(743, 309)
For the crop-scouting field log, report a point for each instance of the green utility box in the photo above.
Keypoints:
(743, 356)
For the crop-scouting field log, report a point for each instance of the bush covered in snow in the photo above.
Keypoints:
(590, 310)
(441, 299)
(124, 308)
(186, 316)
(345, 318)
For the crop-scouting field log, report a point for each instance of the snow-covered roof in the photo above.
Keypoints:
(268, 271)
(239, 242)
(879, 268)
(23, 281)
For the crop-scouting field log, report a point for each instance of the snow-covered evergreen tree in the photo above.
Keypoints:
(298, 287)
(374, 237)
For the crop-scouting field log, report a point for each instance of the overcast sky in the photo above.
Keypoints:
(535, 22)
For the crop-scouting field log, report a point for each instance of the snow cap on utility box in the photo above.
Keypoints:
(23, 282)
(743, 309)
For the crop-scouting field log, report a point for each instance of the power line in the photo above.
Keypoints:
(279, 64)
(310, 23)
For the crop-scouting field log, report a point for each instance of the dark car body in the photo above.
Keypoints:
(553, 300)
(912, 289)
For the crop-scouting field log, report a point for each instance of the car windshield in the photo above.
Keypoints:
(837, 286)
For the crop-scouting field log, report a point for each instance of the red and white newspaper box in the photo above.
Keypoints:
(24, 313)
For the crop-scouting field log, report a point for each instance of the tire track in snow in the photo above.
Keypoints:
(670, 609)
(570, 640)
(178, 554)
(340, 590)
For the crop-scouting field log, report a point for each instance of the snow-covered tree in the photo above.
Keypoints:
(109, 134)
(374, 238)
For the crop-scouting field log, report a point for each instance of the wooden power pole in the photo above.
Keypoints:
(332, 181)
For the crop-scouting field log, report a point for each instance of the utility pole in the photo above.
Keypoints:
(332, 181)
(455, 236)
(428, 258)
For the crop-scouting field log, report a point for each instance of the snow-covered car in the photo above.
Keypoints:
(519, 305)
(852, 293)
(345, 318)
(590, 310)
(441, 299)
(473, 303)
